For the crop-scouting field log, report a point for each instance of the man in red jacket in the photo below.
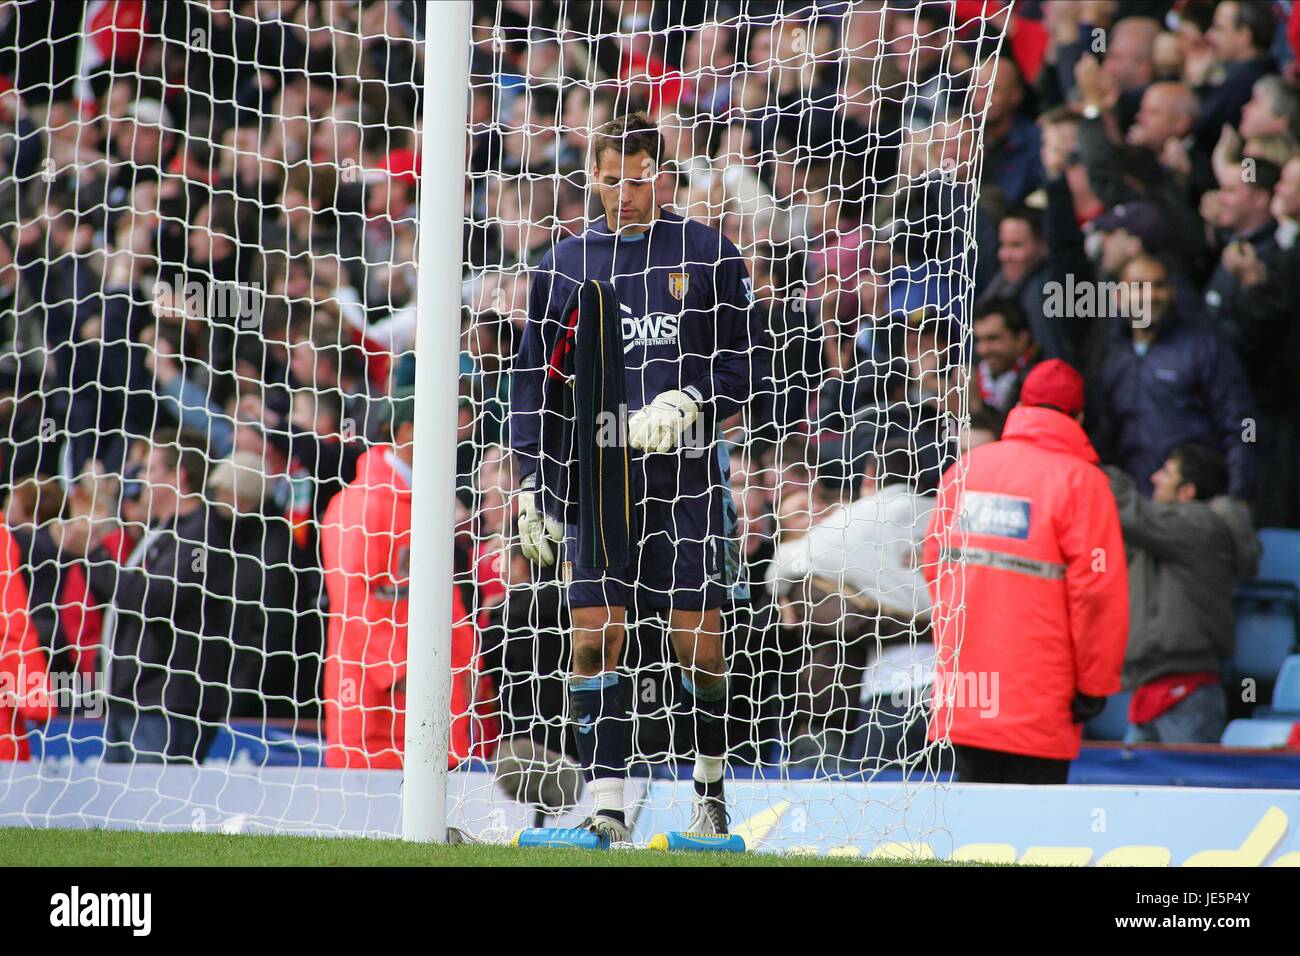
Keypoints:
(24, 688)
(1027, 568)
(365, 540)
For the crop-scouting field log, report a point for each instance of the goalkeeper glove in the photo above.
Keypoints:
(539, 533)
(659, 426)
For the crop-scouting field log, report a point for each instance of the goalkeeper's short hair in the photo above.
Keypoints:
(628, 135)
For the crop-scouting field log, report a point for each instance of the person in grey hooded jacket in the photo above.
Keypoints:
(1188, 546)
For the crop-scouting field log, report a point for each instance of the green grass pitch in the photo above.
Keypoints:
(83, 848)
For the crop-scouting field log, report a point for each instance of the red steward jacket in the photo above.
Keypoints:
(1045, 588)
(24, 680)
(366, 551)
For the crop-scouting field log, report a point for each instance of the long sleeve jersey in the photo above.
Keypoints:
(685, 297)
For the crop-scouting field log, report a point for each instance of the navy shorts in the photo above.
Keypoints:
(684, 556)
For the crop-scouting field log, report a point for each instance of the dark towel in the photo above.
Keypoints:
(586, 382)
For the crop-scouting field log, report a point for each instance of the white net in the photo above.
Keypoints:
(207, 253)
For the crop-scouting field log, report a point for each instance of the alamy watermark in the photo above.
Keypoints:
(39, 690)
(238, 303)
(1087, 299)
(82, 908)
(694, 440)
(963, 690)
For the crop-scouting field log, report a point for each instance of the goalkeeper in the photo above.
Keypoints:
(641, 515)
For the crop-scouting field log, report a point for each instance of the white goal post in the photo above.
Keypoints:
(428, 700)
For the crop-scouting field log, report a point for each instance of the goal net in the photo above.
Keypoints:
(209, 220)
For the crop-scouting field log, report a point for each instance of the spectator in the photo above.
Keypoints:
(21, 152)
(1022, 276)
(1273, 109)
(112, 397)
(1167, 380)
(1269, 346)
(1240, 38)
(169, 625)
(1128, 231)
(1163, 127)
(24, 684)
(1011, 142)
(1285, 206)
(1118, 173)
(33, 506)
(264, 662)
(489, 346)
(1129, 61)
(1027, 518)
(26, 447)
(82, 617)
(916, 38)
(365, 663)
(322, 452)
(1006, 351)
(708, 65)
(797, 346)
(1241, 209)
(1062, 162)
(850, 582)
(1188, 546)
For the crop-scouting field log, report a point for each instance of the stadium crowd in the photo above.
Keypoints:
(206, 295)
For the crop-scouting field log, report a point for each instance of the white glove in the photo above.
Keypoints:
(539, 533)
(659, 426)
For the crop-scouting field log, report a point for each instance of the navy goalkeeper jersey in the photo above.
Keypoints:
(684, 297)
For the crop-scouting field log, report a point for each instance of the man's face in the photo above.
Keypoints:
(1286, 197)
(163, 484)
(1059, 140)
(1006, 94)
(303, 412)
(996, 346)
(1242, 203)
(1167, 55)
(1159, 118)
(1128, 59)
(145, 143)
(200, 237)
(1258, 118)
(1167, 484)
(302, 362)
(1019, 252)
(625, 184)
(916, 41)
(1147, 290)
(795, 515)
(1230, 43)
(952, 148)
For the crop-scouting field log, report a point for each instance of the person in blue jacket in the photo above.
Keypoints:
(1167, 380)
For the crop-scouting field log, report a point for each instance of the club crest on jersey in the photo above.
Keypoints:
(678, 284)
